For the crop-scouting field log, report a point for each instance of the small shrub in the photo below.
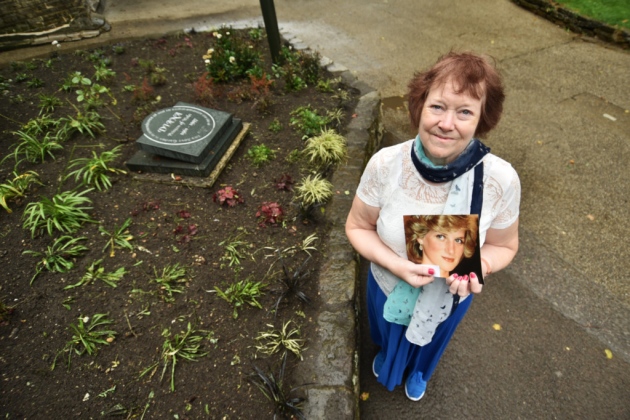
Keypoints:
(260, 154)
(272, 341)
(97, 272)
(17, 187)
(241, 293)
(33, 149)
(204, 89)
(58, 258)
(326, 149)
(285, 183)
(312, 192)
(227, 196)
(308, 121)
(95, 171)
(170, 281)
(65, 212)
(269, 213)
(231, 57)
(144, 92)
(275, 126)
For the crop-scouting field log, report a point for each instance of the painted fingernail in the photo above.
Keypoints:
(431, 271)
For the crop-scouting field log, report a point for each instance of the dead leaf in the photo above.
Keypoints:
(497, 327)
(608, 354)
(364, 396)
(572, 162)
(590, 217)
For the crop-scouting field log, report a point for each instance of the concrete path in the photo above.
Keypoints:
(566, 130)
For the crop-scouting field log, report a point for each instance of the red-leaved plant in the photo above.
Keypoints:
(285, 183)
(227, 196)
(269, 214)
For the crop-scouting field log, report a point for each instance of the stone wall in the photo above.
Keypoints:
(576, 23)
(34, 22)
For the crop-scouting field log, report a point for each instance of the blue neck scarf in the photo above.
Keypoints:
(468, 159)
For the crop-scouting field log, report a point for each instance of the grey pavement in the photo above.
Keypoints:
(566, 130)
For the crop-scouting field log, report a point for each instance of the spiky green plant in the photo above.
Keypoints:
(183, 346)
(286, 339)
(65, 212)
(95, 171)
(17, 187)
(233, 250)
(33, 149)
(171, 280)
(313, 191)
(48, 103)
(326, 149)
(88, 122)
(117, 238)
(87, 338)
(41, 125)
(58, 257)
(97, 272)
(101, 73)
(293, 283)
(241, 293)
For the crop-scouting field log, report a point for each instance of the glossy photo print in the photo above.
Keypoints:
(447, 242)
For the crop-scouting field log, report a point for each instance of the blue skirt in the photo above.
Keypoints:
(403, 358)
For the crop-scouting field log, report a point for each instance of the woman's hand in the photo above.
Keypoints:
(463, 285)
(417, 275)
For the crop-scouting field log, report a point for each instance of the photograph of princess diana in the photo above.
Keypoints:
(448, 241)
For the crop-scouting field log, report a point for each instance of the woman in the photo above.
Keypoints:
(444, 170)
(441, 240)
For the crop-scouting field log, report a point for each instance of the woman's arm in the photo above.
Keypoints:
(496, 253)
(361, 231)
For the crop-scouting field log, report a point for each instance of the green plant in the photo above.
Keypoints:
(233, 250)
(97, 272)
(95, 171)
(313, 191)
(118, 49)
(273, 389)
(325, 85)
(17, 187)
(272, 341)
(117, 238)
(102, 73)
(35, 82)
(183, 346)
(42, 125)
(242, 292)
(48, 103)
(260, 154)
(58, 257)
(74, 80)
(87, 338)
(326, 149)
(308, 121)
(613, 12)
(65, 212)
(275, 126)
(170, 281)
(33, 149)
(84, 123)
(255, 34)
(92, 94)
(231, 57)
(22, 77)
(157, 76)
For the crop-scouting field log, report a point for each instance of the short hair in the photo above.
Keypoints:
(471, 74)
(417, 227)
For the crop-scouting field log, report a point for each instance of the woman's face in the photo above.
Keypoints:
(447, 123)
(444, 249)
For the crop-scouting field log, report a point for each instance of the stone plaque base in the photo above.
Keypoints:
(144, 162)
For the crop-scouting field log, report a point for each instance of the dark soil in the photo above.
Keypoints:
(36, 326)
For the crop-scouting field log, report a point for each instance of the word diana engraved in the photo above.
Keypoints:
(179, 125)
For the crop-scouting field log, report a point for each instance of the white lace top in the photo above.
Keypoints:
(392, 183)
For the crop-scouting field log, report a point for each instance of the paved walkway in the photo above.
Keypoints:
(566, 129)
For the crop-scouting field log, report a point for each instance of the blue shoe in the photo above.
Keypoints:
(377, 364)
(415, 386)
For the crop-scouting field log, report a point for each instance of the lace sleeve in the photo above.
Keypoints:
(506, 209)
(371, 185)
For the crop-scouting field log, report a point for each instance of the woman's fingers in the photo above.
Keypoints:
(475, 286)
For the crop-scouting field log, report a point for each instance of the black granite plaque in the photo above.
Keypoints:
(183, 132)
(144, 161)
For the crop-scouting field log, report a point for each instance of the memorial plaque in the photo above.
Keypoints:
(184, 132)
(147, 162)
